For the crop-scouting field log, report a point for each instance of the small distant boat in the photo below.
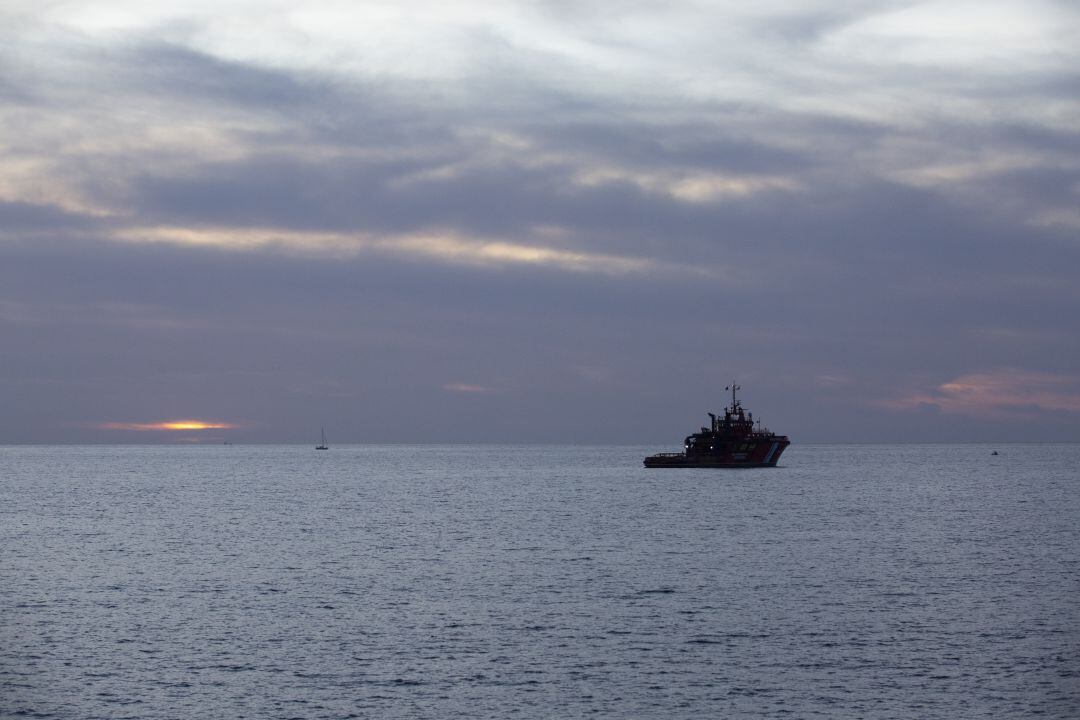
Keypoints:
(994, 453)
(730, 442)
(322, 445)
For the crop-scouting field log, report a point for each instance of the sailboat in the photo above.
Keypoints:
(322, 445)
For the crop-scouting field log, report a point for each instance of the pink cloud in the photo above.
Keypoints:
(996, 394)
(466, 388)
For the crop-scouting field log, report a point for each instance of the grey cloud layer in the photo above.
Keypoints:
(844, 260)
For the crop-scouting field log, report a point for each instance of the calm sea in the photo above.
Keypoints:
(891, 581)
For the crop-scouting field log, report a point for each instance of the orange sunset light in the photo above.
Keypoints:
(170, 425)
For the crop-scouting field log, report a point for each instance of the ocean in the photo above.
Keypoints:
(407, 581)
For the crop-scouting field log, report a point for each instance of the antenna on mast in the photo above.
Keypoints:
(733, 387)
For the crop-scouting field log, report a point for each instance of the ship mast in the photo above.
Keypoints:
(734, 403)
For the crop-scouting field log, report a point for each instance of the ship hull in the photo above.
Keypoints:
(766, 454)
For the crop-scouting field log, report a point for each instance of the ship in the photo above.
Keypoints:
(732, 441)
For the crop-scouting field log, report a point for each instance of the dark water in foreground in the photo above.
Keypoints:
(495, 582)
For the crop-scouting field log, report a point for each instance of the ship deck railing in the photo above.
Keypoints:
(668, 455)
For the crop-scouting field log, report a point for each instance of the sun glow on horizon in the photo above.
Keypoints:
(169, 426)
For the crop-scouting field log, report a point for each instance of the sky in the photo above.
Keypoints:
(538, 220)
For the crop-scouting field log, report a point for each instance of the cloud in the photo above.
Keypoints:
(268, 136)
(467, 388)
(291, 211)
(446, 247)
(998, 394)
(960, 32)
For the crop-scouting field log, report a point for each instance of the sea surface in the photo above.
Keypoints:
(859, 581)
